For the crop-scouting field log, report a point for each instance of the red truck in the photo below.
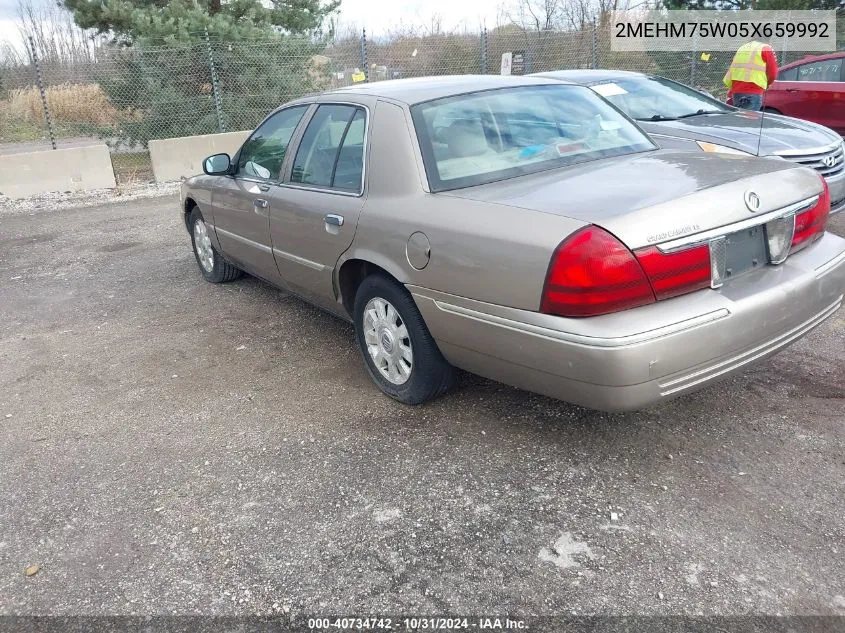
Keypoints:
(813, 89)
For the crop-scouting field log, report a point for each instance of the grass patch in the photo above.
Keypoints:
(14, 130)
(79, 104)
(132, 168)
(76, 110)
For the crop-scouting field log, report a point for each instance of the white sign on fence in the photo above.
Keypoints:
(507, 60)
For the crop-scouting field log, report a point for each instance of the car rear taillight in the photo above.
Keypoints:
(810, 224)
(673, 274)
(593, 273)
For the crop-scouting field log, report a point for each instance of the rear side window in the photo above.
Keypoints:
(331, 153)
(790, 74)
(827, 70)
(486, 136)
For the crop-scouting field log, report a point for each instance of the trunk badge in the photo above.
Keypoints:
(752, 201)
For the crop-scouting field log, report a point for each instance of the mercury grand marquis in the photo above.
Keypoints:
(522, 229)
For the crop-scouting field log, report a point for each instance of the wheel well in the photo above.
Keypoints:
(350, 276)
(772, 110)
(190, 203)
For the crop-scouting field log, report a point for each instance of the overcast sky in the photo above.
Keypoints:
(377, 16)
(8, 31)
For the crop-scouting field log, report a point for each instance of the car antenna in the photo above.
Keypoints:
(763, 107)
(760, 131)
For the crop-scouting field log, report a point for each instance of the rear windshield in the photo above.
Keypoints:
(483, 137)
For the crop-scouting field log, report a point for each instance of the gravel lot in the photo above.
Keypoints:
(171, 446)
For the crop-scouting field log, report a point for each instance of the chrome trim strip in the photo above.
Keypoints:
(835, 145)
(334, 192)
(579, 339)
(828, 266)
(757, 220)
(663, 135)
(298, 260)
(253, 179)
(243, 240)
(710, 372)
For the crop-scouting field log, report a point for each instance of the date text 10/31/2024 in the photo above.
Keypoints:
(417, 624)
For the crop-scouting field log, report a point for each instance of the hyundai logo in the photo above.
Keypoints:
(752, 201)
(829, 161)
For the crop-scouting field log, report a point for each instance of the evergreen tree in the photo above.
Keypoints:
(160, 77)
(130, 21)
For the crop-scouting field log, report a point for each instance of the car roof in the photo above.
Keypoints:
(589, 76)
(419, 89)
(813, 58)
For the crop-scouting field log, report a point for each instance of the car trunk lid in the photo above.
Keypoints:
(653, 197)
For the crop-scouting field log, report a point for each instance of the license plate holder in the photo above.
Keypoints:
(745, 250)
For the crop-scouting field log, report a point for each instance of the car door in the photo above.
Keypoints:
(783, 95)
(833, 106)
(314, 212)
(814, 92)
(241, 201)
(820, 84)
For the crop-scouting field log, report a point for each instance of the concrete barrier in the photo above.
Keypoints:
(173, 158)
(66, 169)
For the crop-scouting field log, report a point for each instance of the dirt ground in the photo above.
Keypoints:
(172, 446)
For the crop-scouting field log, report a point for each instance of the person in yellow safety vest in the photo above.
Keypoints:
(753, 69)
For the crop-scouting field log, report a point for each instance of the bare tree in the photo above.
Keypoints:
(567, 15)
(56, 37)
(580, 13)
(536, 15)
(11, 55)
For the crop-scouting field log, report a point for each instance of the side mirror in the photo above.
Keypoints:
(217, 165)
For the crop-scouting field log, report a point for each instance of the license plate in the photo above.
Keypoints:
(745, 250)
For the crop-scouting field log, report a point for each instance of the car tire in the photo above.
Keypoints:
(212, 265)
(387, 324)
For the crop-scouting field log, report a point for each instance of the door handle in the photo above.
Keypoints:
(260, 203)
(792, 89)
(336, 220)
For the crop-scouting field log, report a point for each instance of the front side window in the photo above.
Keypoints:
(262, 155)
(657, 99)
(828, 70)
(331, 153)
(483, 137)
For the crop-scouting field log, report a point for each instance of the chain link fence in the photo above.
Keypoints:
(126, 97)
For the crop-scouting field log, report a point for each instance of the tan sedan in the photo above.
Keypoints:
(524, 230)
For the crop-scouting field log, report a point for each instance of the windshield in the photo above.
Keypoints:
(655, 98)
(482, 137)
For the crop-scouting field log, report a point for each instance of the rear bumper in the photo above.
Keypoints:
(635, 358)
